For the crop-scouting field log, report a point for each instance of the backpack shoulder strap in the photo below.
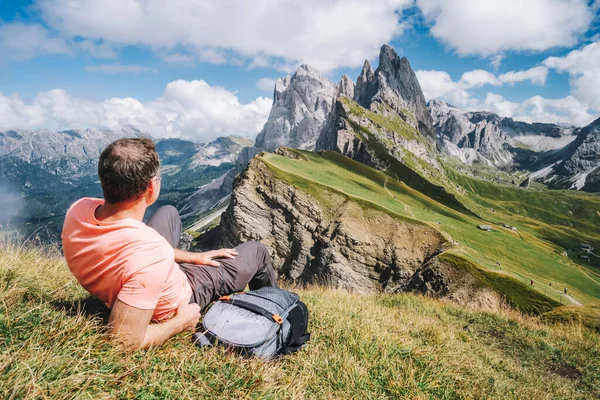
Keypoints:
(254, 308)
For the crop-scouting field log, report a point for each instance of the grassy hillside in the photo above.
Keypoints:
(525, 255)
(566, 218)
(377, 346)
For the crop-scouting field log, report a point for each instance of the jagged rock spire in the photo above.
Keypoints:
(345, 87)
(363, 92)
(393, 83)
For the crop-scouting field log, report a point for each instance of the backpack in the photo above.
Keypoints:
(265, 323)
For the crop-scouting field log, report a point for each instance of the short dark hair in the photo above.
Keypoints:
(126, 168)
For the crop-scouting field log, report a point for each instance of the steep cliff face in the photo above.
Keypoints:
(318, 235)
(328, 239)
(301, 105)
(378, 138)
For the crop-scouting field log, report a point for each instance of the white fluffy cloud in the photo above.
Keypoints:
(439, 84)
(536, 75)
(584, 68)
(187, 109)
(24, 41)
(487, 28)
(566, 110)
(324, 34)
(577, 109)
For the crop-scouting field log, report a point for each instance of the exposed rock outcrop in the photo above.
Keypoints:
(439, 278)
(339, 135)
(330, 240)
(580, 169)
(301, 105)
(387, 117)
(454, 126)
(345, 87)
(486, 138)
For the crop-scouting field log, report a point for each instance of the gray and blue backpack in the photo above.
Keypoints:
(265, 323)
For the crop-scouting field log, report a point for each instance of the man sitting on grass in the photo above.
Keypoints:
(136, 268)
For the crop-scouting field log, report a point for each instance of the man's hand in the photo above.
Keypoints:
(206, 258)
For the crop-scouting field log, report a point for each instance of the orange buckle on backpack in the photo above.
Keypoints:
(224, 298)
(277, 319)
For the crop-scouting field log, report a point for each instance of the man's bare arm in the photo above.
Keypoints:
(206, 258)
(131, 326)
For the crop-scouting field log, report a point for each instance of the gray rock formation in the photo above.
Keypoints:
(453, 126)
(489, 139)
(301, 105)
(313, 241)
(395, 84)
(580, 169)
(388, 117)
(364, 89)
(345, 87)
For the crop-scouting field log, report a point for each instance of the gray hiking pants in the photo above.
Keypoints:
(252, 266)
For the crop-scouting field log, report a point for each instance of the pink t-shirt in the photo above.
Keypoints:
(124, 259)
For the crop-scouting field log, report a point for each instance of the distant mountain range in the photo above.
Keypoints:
(563, 157)
(42, 172)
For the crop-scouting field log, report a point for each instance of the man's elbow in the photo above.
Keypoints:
(128, 342)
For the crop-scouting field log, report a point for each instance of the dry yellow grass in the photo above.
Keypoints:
(363, 347)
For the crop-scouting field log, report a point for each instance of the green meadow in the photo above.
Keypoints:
(545, 227)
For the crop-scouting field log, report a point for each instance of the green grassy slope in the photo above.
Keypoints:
(566, 218)
(377, 346)
(525, 255)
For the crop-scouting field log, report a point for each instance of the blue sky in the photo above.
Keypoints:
(200, 69)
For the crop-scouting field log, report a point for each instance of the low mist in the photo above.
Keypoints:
(11, 203)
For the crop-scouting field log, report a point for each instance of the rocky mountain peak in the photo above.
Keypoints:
(364, 89)
(301, 105)
(395, 84)
(366, 74)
